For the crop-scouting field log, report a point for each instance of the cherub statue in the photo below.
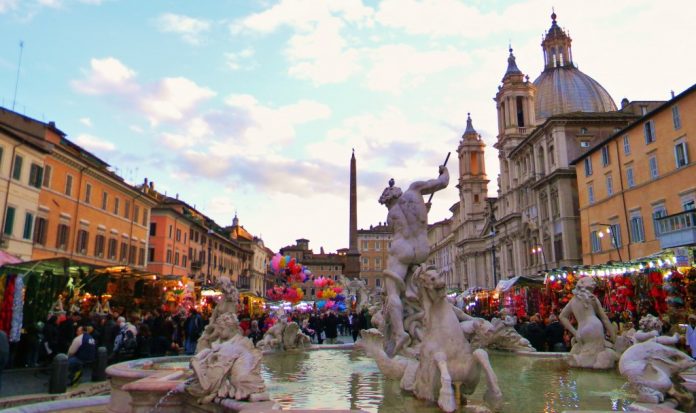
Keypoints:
(652, 365)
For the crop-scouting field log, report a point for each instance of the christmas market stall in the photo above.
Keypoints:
(251, 304)
(661, 284)
(522, 296)
(30, 290)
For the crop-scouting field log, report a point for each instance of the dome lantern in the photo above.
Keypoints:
(556, 45)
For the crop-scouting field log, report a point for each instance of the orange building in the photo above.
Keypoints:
(183, 241)
(374, 244)
(637, 188)
(85, 211)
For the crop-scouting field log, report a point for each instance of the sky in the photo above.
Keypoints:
(253, 107)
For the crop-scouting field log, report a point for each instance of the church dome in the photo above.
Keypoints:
(562, 87)
(567, 89)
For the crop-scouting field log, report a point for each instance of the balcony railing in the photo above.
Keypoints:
(677, 229)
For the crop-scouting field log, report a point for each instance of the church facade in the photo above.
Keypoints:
(533, 224)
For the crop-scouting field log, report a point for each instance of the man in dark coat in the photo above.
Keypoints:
(331, 327)
(536, 334)
(554, 334)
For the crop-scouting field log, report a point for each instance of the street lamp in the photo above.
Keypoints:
(210, 245)
(538, 250)
(609, 231)
(492, 221)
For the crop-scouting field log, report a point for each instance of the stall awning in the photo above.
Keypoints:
(519, 281)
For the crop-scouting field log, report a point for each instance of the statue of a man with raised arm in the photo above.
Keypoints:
(408, 216)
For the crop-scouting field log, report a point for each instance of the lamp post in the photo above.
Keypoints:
(538, 250)
(610, 231)
(210, 245)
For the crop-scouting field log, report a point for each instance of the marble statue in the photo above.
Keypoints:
(284, 335)
(408, 215)
(227, 305)
(226, 365)
(498, 334)
(446, 367)
(652, 366)
(590, 348)
(362, 294)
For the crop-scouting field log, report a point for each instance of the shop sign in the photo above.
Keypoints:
(682, 257)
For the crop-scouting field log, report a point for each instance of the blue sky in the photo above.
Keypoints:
(254, 106)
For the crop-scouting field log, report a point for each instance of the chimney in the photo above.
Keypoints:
(177, 196)
(672, 93)
(624, 103)
(152, 185)
(52, 124)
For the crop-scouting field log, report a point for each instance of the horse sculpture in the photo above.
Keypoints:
(446, 367)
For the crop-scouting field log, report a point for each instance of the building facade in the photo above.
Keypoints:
(85, 211)
(327, 265)
(637, 187)
(534, 222)
(374, 244)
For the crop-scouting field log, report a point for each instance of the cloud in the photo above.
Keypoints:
(94, 144)
(54, 4)
(86, 121)
(190, 29)
(7, 5)
(107, 76)
(173, 97)
(317, 50)
(239, 60)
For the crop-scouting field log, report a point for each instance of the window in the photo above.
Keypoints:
(117, 205)
(47, 176)
(126, 210)
(17, 169)
(113, 244)
(169, 257)
(605, 155)
(99, 245)
(658, 212)
(584, 144)
(170, 232)
(132, 254)
(588, 166)
(123, 256)
(176, 258)
(62, 237)
(629, 177)
(184, 260)
(689, 205)
(652, 161)
(681, 155)
(378, 263)
(378, 282)
(105, 200)
(35, 176)
(178, 234)
(28, 225)
(141, 256)
(590, 194)
(136, 213)
(378, 245)
(675, 117)
(610, 185)
(144, 217)
(594, 239)
(9, 221)
(151, 254)
(2, 151)
(153, 229)
(637, 230)
(88, 193)
(626, 145)
(364, 245)
(68, 185)
(615, 235)
(82, 241)
(40, 230)
(649, 131)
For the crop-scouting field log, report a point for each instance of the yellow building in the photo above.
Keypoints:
(21, 178)
(637, 188)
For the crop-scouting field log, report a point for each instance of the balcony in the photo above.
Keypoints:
(677, 230)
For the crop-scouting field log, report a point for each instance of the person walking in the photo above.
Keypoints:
(354, 326)
(193, 326)
(331, 328)
(554, 335)
(83, 349)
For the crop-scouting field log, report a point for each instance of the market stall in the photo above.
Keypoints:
(522, 296)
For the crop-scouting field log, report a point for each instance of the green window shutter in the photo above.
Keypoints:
(28, 225)
(39, 176)
(17, 170)
(9, 220)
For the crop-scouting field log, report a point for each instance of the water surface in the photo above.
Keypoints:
(348, 379)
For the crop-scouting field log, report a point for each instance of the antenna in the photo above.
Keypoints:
(19, 65)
